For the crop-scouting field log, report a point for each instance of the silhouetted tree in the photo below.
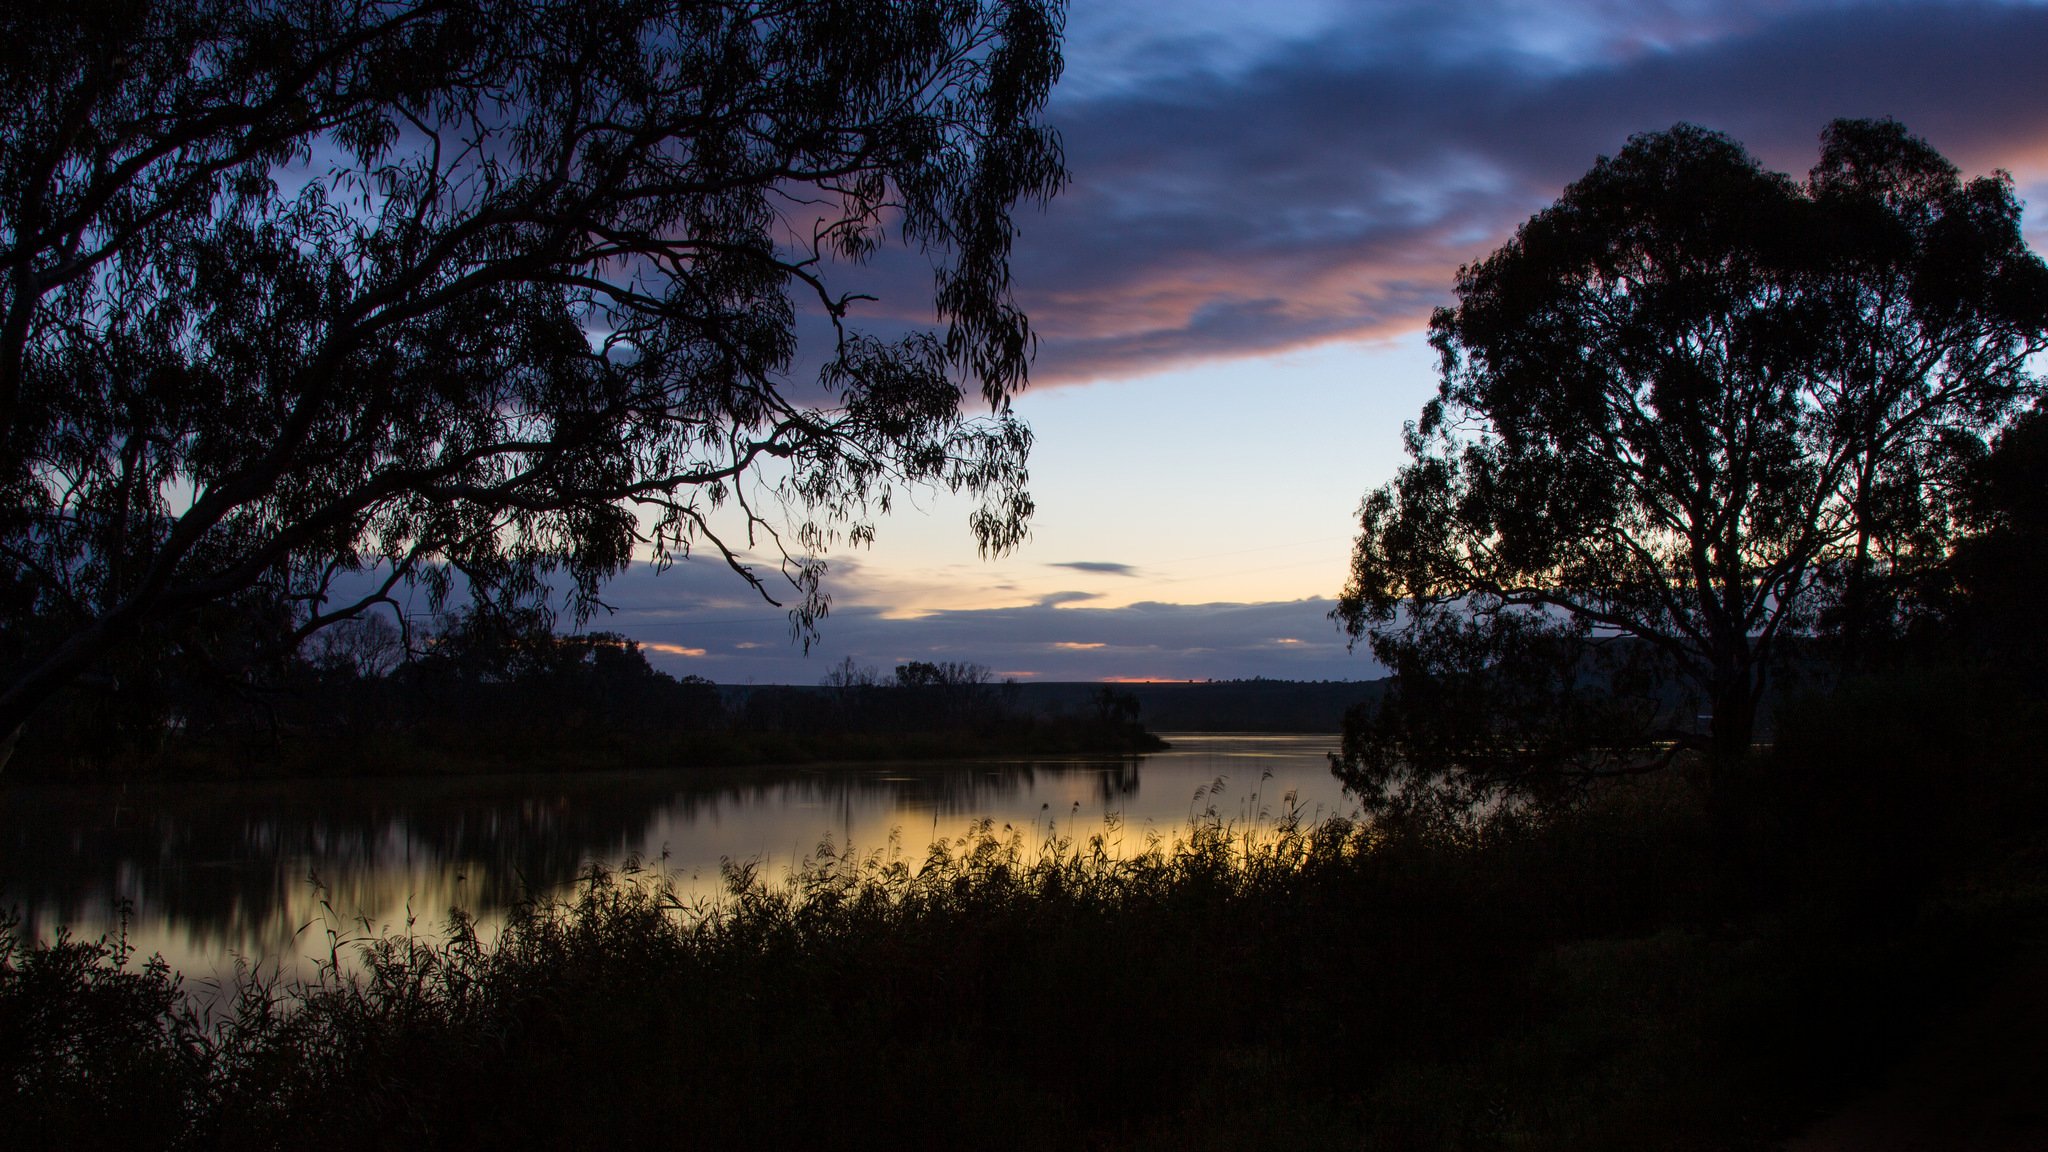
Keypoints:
(446, 289)
(362, 648)
(1987, 599)
(1114, 707)
(1485, 698)
(944, 674)
(499, 672)
(1694, 403)
(849, 675)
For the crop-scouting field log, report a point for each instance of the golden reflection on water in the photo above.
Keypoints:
(288, 876)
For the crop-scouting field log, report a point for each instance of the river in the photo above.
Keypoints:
(272, 875)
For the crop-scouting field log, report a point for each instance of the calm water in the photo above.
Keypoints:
(266, 872)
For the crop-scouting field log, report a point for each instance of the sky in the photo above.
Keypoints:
(1267, 202)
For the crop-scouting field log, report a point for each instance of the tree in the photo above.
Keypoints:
(944, 674)
(1484, 698)
(365, 647)
(446, 292)
(1984, 605)
(1696, 410)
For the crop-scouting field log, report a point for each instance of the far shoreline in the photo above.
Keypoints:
(397, 758)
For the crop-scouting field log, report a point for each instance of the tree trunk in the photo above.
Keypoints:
(1734, 726)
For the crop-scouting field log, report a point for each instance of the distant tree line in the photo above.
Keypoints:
(1254, 705)
(488, 689)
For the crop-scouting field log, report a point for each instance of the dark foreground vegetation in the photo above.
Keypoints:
(1674, 961)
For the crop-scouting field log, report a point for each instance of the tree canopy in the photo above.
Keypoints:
(1983, 608)
(1692, 411)
(452, 292)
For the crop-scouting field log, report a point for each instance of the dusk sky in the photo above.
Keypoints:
(1267, 202)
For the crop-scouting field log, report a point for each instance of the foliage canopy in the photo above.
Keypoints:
(1692, 411)
(453, 291)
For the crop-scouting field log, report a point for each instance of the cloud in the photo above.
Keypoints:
(686, 624)
(1102, 567)
(1055, 599)
(1143, 641)
(1331, 188)
(671, 649)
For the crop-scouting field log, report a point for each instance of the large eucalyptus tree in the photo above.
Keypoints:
(1694, 409)
(435, 289)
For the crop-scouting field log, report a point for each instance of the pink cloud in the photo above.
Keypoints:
(673, 649)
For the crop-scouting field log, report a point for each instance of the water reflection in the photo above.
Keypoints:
(270, 872)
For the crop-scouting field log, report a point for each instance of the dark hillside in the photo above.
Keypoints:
(1206, 706)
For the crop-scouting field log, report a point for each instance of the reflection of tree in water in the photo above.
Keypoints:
(224, 861)
(971, 790)
(231, 865)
